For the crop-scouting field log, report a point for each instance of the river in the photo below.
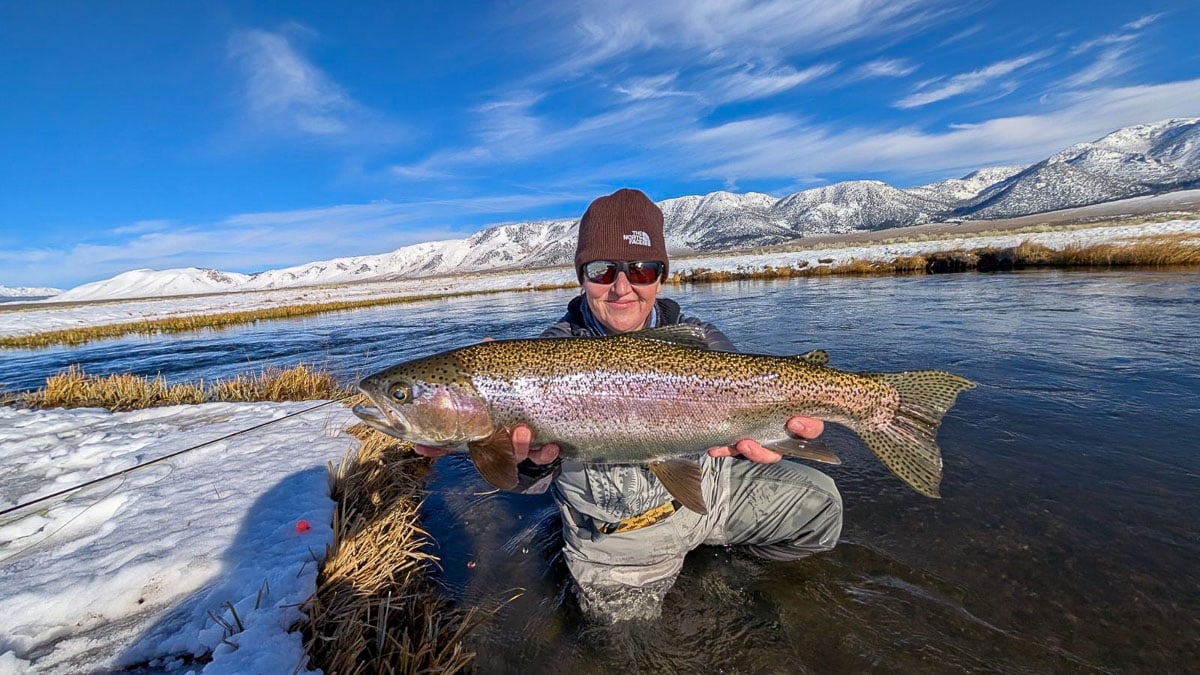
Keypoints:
(1066, 539)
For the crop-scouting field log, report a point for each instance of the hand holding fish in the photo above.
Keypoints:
(522, 438)
(804, 427)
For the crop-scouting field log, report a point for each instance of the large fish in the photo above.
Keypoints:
(656, 397)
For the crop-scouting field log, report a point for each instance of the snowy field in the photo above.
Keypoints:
(143, 569)
(35, 317)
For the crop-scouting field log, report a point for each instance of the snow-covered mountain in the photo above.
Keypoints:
(720, 221)
(27, 292)
(957, 190)
(855, 205)
(1139, 160)
(146, 283)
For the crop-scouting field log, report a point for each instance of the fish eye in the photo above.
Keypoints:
(398, 393)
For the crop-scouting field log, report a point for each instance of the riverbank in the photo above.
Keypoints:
(249, 549)
(31, 325)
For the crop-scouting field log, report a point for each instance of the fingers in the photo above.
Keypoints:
(544, 455)
(522, 438)
(805, 427)
(749, 449)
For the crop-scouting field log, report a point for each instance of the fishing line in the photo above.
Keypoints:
(177, 453)
(62, 527)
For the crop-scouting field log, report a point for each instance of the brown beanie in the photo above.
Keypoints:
(625, 225)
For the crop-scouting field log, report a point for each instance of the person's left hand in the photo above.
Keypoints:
(804, 427)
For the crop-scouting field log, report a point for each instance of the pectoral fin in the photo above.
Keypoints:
(681, 477)
(804, 449)
(495, 459)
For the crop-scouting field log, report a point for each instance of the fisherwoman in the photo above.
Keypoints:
(625, 537)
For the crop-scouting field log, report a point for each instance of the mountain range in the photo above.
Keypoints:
(7, 293)
(1133, 161)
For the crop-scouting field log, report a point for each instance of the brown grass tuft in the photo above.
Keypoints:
(1160, 251)
(74, 388)
(301, 383)
(375, 609)
(1181, 250)
(187, 324)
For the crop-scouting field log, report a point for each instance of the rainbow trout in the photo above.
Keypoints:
(656, 397)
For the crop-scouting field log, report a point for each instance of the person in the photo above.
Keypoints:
(624, 537)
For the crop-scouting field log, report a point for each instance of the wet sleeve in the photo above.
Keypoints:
(534, 479)
(717, 341)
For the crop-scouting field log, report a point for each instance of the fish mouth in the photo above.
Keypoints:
(378, 420)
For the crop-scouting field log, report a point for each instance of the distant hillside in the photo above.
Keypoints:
(1139, 160)
(7, 293)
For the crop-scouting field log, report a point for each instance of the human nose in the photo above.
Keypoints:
(621, 284)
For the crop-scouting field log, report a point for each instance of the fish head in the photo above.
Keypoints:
(429, 401)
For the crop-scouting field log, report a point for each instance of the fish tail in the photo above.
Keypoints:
(907, 443)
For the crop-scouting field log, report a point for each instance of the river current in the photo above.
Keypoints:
(1066, 539)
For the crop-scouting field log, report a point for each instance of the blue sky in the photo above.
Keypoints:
(250, 136)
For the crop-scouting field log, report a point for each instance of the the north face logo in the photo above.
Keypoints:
(638, 238)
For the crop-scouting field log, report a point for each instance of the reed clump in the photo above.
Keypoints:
(375, 609)
(75, 388)
(300, 383)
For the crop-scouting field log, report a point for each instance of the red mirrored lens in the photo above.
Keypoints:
(640, 273)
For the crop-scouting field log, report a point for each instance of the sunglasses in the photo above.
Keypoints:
(639, 272)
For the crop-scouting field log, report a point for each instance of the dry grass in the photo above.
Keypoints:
(1162, 251)
(185, 324)
(1181, 250)
(74, 388)
(375, 609)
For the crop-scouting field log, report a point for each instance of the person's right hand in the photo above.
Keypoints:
(522, 437)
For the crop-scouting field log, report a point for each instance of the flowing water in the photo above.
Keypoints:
(1066, 541)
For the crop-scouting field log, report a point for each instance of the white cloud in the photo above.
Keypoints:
(720, 30)
(511, 131)
(658, 86)
(885, 68)
(1115, 54)
(1111, 63)
(749, 83)
(968, 82)
(1143, 21)
(961, 35)
(286, 93)
(784, 146)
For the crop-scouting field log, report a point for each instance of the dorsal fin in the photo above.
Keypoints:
(495, 460)
(681, 477)
(681, 334)
(817, 357)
